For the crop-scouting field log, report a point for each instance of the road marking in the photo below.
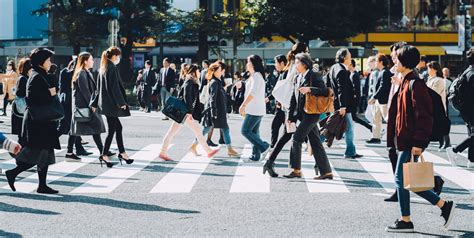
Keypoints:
(55, 172)
(320, 186)
(378, 167)
(248, 176)
(11, 163)
(113, 177)
(184, 176)
(459, 176)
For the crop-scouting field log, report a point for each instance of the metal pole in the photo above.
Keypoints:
(388, 14)
(234, 36)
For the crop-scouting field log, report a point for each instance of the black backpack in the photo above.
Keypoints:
(456, 95)
(441, 122)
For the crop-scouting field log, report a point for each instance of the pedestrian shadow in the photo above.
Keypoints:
(9, 234)
(4, 207)
(465, 206)
(361, 183)
(455, 191)
(100, 202)
(466, 233)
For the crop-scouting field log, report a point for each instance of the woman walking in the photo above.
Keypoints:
(215, 113)
(437, 83)
(288, 72)
(189, 93)
(25, 70)
(41, 135)
(413, 124)
(84, 121)
(9, 82)
(110, 100)
(253, 107)
(307, 82)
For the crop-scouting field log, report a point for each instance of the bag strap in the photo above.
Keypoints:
(422, 158)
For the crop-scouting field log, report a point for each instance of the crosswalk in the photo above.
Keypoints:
(244, 176)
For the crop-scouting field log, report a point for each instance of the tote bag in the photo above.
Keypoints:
(418, 176)
(283, 91)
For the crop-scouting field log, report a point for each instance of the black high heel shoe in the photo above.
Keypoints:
(128, 161)
(109, 164)
(268, 167)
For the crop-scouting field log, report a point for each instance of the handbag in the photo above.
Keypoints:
(19, 106)
(47, 113)
(319, 104)
(283, 91)
(82, 114)
(175, 109)
(418, 176)
(369, 113)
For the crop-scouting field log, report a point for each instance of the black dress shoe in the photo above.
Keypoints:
(323, 177)
(393, 198)
(374, 141)
(83, 153)
(268, 167)
(356, 156)
(401, 226)
(11, 179)
(293, 175)
(72, 158)
(212, 144)
(46, 190)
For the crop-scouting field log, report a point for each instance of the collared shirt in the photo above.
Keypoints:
(165, 71)
(299, 83)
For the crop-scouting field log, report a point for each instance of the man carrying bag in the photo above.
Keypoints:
(412, 130)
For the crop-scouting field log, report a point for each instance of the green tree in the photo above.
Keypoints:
(306, 20)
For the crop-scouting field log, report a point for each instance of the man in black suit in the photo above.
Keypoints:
(149, 77)
(339, 80)
(166, 83)
(380, 97)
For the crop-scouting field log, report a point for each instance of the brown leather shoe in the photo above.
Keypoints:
(323, 177)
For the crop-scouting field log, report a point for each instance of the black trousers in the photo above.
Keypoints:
(468, 143)
(356, 119)
(279, 145)
(5, 103)
(76, 140)
(147, 98)
(277, 122)
(309, 128)
(115, 127)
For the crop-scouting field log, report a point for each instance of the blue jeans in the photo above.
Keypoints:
(403, 194)
(251, 131)
(350, 147)
(225, 132)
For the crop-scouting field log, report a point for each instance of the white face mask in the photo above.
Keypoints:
(117, 61)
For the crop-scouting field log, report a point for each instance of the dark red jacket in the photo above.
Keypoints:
(412, 121)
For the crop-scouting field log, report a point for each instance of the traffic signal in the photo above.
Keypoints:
(248, 34)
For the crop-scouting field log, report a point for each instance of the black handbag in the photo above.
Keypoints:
(47, 113)
(82, 114)
(175, 109)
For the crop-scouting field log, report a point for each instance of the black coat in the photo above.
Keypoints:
(318, 88)
(339, 80)
(170, 79)
(467, 112)
(216, 109)
(65, 96)
(83, 92)
(355, 78)
(383, 85)
(110, 94)
(190, 94)
(39, 135)
(17, 122)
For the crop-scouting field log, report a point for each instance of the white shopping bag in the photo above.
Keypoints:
(369, 113)
(283, 91)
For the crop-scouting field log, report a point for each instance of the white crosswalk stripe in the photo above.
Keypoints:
(248, 176)
(185, 175)
(55, 172)
(461, 177)
(112, 178)
(320, 186)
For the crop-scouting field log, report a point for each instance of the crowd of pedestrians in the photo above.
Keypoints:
(397, 91)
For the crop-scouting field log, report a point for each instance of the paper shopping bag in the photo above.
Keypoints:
(418, 176)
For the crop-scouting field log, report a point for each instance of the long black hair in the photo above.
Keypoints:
(257, 64)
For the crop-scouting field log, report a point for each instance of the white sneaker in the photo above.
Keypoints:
(452, 156)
